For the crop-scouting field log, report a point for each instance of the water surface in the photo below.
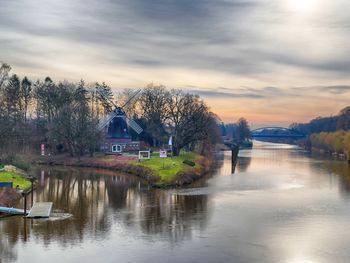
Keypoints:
(280, 205)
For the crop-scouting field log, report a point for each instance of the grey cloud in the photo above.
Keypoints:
(224, 94)
(336, 89)
(268, 92)
(242, 92)
(186, 34)
(146, 62)
(224, 35)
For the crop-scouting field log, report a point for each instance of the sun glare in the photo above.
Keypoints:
(302, 5)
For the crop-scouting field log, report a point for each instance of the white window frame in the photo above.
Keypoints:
(117, 148)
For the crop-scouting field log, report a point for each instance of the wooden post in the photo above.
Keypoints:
(234, 157)
(25, 204)
(32, 190)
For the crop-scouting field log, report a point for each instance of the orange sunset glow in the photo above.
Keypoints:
(258, 59)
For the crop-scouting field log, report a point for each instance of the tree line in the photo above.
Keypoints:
(238, 132)
(330, 134)
(183, 116)
(341, 121)
(332, 142)
(65, 116)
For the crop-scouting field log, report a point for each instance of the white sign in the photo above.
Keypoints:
(144, 155)
(42, 149)
(162, 154)
(170, 143)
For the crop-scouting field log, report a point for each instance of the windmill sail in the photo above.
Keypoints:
(133, 125)
(103, 123)
(131, 98)
(120, 113)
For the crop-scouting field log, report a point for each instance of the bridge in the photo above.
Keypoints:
(276, 132)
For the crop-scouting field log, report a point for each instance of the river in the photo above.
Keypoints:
(280, 205)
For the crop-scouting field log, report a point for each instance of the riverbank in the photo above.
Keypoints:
(158, 172)
(11, 174)
(329, 154)
(8, 197)
(336, 144)
(177, 170)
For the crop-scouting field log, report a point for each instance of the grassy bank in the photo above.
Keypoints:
(15, 178)
(168, 169)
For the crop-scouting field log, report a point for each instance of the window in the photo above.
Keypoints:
(116, 148)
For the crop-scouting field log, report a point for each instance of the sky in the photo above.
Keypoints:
(273, 62)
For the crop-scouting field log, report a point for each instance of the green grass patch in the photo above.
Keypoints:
(15, 178)
(168, 168)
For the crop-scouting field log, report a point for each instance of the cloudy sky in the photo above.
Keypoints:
(272, 61)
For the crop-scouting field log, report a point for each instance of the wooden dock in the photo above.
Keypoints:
(40, 210)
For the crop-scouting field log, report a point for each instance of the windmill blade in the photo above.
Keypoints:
(131, 98)
(107, 99)
(133, 125)
(103, 123)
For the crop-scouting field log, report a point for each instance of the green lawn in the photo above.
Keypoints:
(15, 178)
(167, 168)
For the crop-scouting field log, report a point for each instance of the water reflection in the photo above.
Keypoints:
(280, 205)
(7, 250)
(98, 200)
(339, 174)
(243, 164)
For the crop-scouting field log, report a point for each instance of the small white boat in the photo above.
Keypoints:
(12, 210)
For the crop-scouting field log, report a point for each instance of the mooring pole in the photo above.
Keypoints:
(32, 190)
(234, 155)
(25, 204)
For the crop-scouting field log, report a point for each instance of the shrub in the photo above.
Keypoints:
(17, 161)
(190, 163)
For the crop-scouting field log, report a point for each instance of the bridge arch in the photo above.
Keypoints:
(276, 132)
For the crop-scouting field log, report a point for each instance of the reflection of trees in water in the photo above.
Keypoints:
(345, 180)
(158, 212)
(191, 212)
(173, 217)
(81, 194)
(95, 198)
(75, 193)
(7, 253)
(343, 170)
(117, 191)
(339, 168)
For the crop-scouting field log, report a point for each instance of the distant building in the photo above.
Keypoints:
(117, 138)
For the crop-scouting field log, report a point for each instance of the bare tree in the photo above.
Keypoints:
(128, 99)
(26, 94)
(242, 131)
(188, 119)
(4, 71)
(74, 125)
(104, 97)
(154, 109)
